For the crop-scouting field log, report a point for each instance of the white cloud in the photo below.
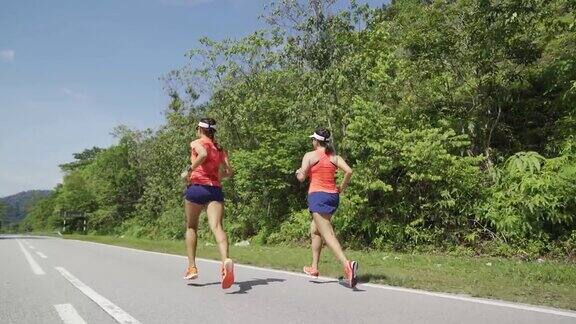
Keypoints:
(73, 94)
(7, 55)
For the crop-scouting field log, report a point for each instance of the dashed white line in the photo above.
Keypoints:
(116, 312)
(68, 314)
(33, 264)
(42, 255)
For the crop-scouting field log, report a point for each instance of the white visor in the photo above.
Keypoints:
(318, 137)
(205, 125)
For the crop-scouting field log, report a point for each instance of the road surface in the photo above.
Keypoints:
(51, 280)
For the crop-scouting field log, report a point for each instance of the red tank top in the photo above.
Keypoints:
(323, 174)
(208, 173)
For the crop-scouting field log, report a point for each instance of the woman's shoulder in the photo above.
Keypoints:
(334, 158)
(310, 154)
(311, 157)
(202, 141)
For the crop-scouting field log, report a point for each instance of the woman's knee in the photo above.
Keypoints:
(215, 225)
(219, 234)
(313, 229)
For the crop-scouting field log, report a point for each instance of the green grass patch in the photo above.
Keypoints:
(548, 283)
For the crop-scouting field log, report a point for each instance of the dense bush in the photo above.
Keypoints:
(533, 197)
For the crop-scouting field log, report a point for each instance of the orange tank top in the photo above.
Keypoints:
(208, 173)
(323, 174)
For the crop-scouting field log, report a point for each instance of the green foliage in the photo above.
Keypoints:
(296, 229)
(170, 225)
(534, 196)
(75, 195)
(162, 158)
(40, 215)
(82, 159)
(410, 185)
(428, 101)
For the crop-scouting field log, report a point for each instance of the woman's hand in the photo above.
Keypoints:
(300, 175)
(185, 175)
(342, 165)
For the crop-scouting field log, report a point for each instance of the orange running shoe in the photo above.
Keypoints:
(191, 273)
(350, 273)
(227, 274)
(311, 271)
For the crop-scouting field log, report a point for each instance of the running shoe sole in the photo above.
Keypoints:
(310, 274)
(191, 277)
(228, 278)
(353, 280)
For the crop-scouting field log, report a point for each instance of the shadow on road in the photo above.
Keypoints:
(204, 284)
(368, 277)
(340, 281)
(248, 285)
(318, 282)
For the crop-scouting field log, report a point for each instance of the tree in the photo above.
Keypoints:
(82, 159)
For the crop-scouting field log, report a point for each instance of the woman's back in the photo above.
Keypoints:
(322, 172)
(208, 173)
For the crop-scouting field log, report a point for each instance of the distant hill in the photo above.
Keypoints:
(16, 204)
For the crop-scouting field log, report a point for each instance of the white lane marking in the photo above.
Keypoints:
(40, 254)
(35, 266)
(30, 246)
(116, 312)
(545, 310)
(68, 314)
(525, 307)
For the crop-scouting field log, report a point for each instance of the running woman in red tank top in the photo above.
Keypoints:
(320, 166)
(209, 164)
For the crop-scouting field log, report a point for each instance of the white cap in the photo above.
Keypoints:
(206, 125)
(319, 137)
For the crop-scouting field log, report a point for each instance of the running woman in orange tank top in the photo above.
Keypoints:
(320, 166)
(209, 164)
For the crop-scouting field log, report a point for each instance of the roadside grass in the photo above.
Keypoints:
(549, 283)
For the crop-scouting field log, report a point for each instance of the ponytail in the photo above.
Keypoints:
(212, 136)
(328, 146)
(211, 131)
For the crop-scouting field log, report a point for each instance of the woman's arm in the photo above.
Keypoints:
(302, 173)
(342, 165)
(201, 155)
(226, 170)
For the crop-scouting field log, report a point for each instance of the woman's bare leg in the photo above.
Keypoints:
(316, 244)
(324, 226)
(192, 215)
(215, 211)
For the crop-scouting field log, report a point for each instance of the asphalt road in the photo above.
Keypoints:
(51, 280)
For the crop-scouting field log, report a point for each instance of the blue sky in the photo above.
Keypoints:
(70, 71)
